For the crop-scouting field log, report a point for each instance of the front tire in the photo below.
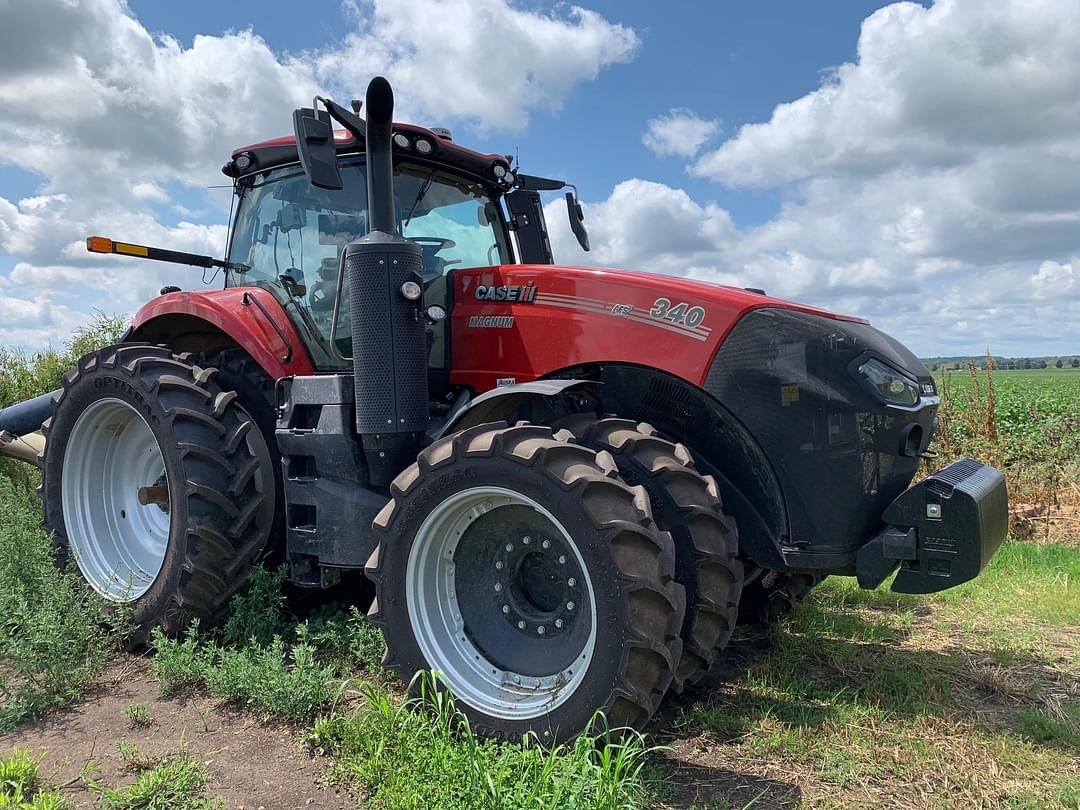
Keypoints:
(157, 484)
(525, 571)
(686, 504)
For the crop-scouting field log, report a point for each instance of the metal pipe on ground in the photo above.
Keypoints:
(24, 448)
(20, 425)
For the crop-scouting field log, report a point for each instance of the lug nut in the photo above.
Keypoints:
(571, 582)
(526, 540)
(509, 546)
(562, 559)
(546, 544)
(569, 605)
(521, 625)
(505, 608)
(541, 630)
(558, 624)
(499, 564)
(498, 587)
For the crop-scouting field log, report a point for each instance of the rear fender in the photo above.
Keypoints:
(248, 317)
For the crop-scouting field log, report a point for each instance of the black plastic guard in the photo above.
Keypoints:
(942, 531)
(329, 503)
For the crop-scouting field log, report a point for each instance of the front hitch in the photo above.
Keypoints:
(942, 531)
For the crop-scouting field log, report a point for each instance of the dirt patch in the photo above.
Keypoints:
(1055, 523)
(253, 764)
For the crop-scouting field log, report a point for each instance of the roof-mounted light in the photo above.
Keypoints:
(401, 141)
(424, 146)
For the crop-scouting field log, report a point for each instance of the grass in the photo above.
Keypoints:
(262, 662)
(177, 782)
(55, 635)
(21, 787)
(138, 714)
(402, 754)
(967, 698)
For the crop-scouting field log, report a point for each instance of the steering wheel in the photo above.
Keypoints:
(434, 265)
(432, 243)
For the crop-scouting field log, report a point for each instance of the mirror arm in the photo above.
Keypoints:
(347, 118)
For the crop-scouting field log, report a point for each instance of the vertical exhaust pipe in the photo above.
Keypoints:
(388, 337)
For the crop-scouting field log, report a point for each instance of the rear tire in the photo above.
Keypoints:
(256, 392)
(201, 458)
(686, 504)
(457, 593)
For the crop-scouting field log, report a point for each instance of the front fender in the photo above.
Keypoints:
(498, 404)
(192, 321)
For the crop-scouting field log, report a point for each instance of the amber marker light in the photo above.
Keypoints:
(99, 244)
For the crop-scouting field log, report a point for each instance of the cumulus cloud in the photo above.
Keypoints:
(483, 62)
(115, 119)
(932, 88)
(932, 185)
(681, 132)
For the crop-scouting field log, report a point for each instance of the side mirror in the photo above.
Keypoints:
(315, 143)
(577, 220)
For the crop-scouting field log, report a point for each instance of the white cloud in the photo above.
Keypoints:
(681, 132)
(933, 185)
(110, 116)
(149, 191)
(483, 62)
(932, 88)
(805, 254)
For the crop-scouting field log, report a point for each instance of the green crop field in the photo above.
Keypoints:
(1027, 423)
(969, 698)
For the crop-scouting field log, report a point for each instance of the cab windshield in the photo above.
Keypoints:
(289, 235)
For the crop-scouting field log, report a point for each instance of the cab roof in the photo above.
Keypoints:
(282, 151)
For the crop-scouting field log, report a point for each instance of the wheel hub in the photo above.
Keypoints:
(500, 602)
(540, 583)
(115, 500)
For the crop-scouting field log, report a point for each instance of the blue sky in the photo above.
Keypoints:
(915, 164)
(726, 60)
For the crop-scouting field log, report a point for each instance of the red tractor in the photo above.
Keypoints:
(566, 483)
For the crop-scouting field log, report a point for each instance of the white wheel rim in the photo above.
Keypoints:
(118, 543)
(440, 631)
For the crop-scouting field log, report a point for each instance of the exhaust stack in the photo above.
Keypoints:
(388, 336)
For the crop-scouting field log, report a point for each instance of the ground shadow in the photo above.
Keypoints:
(691, 785)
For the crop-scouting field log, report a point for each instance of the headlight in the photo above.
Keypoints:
(888, 383)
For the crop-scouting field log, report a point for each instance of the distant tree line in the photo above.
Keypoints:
(1004, 363)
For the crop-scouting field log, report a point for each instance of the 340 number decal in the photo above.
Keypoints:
(663, 310)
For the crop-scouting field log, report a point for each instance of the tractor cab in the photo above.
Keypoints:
(302, 200)
(289, 237)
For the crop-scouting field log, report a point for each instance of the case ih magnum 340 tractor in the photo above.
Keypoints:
(566, 484)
